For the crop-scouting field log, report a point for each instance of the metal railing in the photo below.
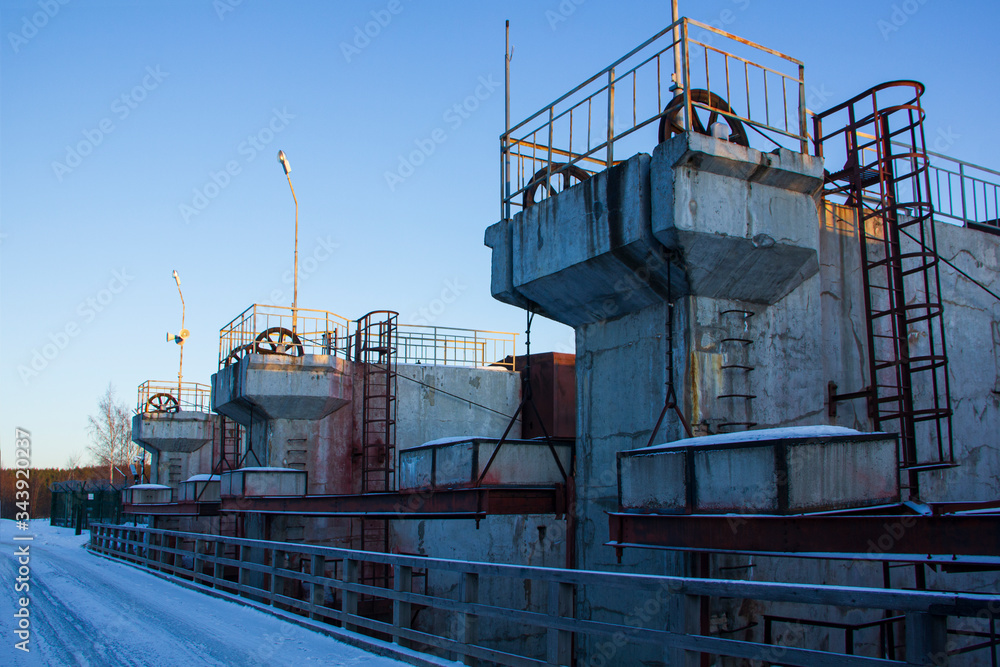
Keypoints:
(297, 577)
(165, 396)
(279, 329)
(602, 117)
(264, 329)
(449, 346)
(960, 191)
(963, 191)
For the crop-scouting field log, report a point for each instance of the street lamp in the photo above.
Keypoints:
(295, 268)
(179, 338)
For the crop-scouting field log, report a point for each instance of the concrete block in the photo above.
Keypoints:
(201, 488)
(500, 238)
(587, 254)
(458, 463)
(743, 221)
(263, 482)
(768, 471)
(147, 494)
(282, 387)
(173, 431)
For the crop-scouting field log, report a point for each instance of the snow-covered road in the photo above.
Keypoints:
(86, 610)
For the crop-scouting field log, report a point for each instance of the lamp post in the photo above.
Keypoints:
(180, 338)
(295, 267)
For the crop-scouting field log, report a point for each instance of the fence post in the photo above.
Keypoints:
(318, 569)
(926, 639)
(240, 572)
(560, 604)
(218, 569)
(684, 614)
(196, 560)
(147, 552)
(401, 613)
(275, 556)
(349, 599)
(470, 622)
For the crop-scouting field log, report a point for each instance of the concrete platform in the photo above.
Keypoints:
(743, 221)
(451, 463)
(184, 431)
(262, 482)
(595, 236)
(769, 471)
(201, 488)
(279, 386)
(147, 494)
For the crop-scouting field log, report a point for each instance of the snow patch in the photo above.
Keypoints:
(788, 432)
(455, 439)
(202, 478)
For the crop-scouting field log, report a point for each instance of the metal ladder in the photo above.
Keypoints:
(885, 181)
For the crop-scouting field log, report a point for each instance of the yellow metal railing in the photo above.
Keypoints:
(278, 329)
(456, 347)
(623, 109)
(166, 396)
(262, 329)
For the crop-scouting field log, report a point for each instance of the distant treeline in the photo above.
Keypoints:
(40, 479)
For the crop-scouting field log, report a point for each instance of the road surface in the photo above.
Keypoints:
(86, 610)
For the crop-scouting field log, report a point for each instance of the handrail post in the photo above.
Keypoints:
(349, 599)
(470, 622)
(961, 185)
(195, 562)
(241, 577)
(926, 639)
(683, 616)
(803, 132)
(560, 604)
(218, 570)
(317, 569)
(401, 611)
(275, 555)
(686, 76)
(611, 119)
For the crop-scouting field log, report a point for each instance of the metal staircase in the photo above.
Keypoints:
(885, 181)
(376, 351)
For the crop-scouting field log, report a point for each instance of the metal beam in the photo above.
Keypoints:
(947, 538)
(173, 509)
(439, 504)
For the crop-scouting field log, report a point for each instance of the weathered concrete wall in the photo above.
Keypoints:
(478, 402)
(279, 386)
(181, 444)
(744, 229)
(972, 328)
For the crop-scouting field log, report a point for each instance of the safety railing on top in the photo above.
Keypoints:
(964, 192)
(630, 106)
(264, 329)
(449, 346)
(164, 396)
(959, 191)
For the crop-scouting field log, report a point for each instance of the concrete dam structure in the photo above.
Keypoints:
(776, 442)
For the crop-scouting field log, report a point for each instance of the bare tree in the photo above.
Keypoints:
(111, 433)
(73, 461)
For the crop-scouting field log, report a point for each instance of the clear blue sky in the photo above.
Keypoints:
(200, 78)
